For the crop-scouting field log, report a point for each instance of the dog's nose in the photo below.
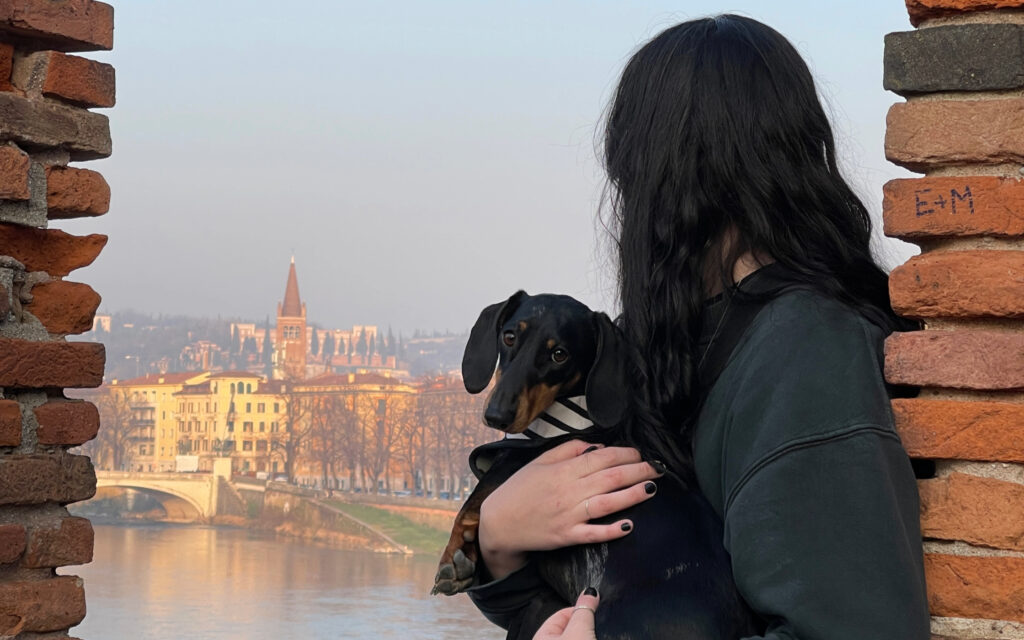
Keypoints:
(498, 418)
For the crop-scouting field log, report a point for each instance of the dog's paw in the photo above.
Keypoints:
(455, 576)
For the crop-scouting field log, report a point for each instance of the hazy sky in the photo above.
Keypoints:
(419, 159)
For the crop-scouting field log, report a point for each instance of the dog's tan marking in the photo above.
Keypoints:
(532, 402)
(551, 343)
(522, 325)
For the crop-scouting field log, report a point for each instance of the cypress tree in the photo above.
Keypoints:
(314, 346)
(362, 348)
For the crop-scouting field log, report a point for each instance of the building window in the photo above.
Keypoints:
(231, 426)
(207, 407)
(261, 445)
(231, 408)
(273, 427)
(248, 388)
(247, 445)
(247, 427)
(263, 427)
(232, 387)
(277, 408)
(261, 407)
(248, 407)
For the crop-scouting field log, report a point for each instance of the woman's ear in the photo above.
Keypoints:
(481, 353)
(607, 399)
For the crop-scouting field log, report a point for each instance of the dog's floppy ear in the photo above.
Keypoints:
(482, 349)
(606, 385)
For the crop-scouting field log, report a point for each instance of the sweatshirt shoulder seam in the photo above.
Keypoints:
(806, 442)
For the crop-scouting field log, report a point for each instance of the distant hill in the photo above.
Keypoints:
(140, 343)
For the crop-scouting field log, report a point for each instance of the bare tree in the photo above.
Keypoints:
(331, 424)
(297, 408)
(452, 428)
(383, 415)
(112, 448)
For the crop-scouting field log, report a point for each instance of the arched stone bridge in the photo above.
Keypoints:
(186, 497)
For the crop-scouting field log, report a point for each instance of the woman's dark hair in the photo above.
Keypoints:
(716, 131)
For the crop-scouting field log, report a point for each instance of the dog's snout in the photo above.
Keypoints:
(498, 418)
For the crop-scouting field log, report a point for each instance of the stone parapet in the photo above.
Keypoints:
(46, 121)
(961, 74)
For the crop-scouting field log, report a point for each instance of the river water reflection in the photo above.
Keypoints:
(162, 582)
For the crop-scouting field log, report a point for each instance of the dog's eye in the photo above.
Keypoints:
(558, 356)
(509, 338)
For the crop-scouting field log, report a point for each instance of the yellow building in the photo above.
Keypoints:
(143, 409)
(236, 414)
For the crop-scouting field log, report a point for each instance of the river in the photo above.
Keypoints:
(154, 581)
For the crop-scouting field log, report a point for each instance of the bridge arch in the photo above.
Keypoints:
(178, 507)
(184, 499)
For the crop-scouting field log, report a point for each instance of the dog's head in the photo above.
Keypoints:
(546, 347)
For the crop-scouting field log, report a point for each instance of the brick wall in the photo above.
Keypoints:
(962, 126)
(46, 123)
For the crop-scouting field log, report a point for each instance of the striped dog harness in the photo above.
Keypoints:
(565, 417)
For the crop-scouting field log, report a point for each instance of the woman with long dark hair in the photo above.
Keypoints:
(757, 312)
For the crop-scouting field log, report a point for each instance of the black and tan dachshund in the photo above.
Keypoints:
(558, 364)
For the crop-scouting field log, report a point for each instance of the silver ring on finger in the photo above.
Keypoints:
(586, 508)
(583, 606)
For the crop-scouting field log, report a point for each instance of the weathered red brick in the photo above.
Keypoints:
(6, 63)
(14, 165)
(975, 587)
(39, 478)
(10, 423)
(68, 543)
(981, 511)
(956, 359)
(12, 542)
(49, 250)
(78, 80)
(67, 422)
(41, 605)
(35, 365)
(46, 123)
(67, 25)
(922, 134)
(968, 430)
(921, 10)
(960, 284)
(71, 193)
(64, 307)
(945, 207)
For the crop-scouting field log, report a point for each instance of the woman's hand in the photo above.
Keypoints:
(572, 623)
(549, 502)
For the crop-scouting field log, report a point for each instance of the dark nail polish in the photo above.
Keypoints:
(650, 488)
(591, 448)
(627, 526)
(658, 466)
(590, 591)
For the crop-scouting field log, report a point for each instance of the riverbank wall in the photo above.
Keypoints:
(298, 513)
